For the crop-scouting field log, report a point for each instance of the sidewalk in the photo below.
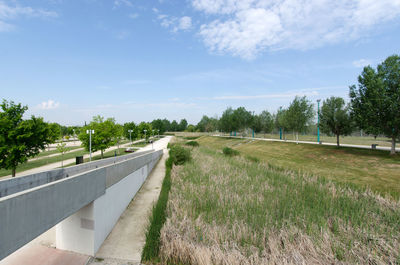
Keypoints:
(125, 242)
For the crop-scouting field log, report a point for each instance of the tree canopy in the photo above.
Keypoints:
(375, 103)
(20, 139)
(299, 114)
(105, 134)
(335, 117)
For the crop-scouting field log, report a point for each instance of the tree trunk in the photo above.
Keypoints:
(62, 160)
(337, 140)
(393, 149)
(297, 138)
(13, 171)
(101, 154)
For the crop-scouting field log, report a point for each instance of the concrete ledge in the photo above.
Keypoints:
(18, 184)
(26, 214)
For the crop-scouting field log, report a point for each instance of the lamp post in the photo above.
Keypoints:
(130, 138)
(90, 132)
(318, 100)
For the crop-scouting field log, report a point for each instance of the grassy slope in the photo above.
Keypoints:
(226, 210)
(360, 166)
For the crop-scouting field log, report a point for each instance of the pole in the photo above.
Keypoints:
(90, 144)
(318, 137)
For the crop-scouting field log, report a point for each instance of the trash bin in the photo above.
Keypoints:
(79, 160)
(373, 146)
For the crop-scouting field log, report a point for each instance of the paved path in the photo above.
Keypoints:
(42, 255)
(385, 148)
(125, 242)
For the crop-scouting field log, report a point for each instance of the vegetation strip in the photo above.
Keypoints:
(232, 210)
(158, 217)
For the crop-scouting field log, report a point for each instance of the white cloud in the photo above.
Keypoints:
(12, 12)
(185, 23)
(361, 63)
(175, 24)
(134, 15)
(47, 105)
(246, 27)
(118, 3)
(310, 92)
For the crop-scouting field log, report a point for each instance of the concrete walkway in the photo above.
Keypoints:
(42, 255)
(125, 243)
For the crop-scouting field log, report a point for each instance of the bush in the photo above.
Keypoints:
(191, 137)
(253, 159)
(179, 154)
(192, 143)
(230, 152)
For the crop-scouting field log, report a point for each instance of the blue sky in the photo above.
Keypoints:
(140, 60)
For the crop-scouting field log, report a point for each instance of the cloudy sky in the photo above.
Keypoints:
(140, 59)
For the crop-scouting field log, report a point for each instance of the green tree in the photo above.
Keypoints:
(182, 125)
(242, 119)
(20, 139)
(281, 121)
(375, 102)
(335, 118)
(174, 127)
(299, 115)
(266, 121)
(118, 134)
(131, 126)
(226, 121)
(62, 148)
(158, 125)
(141, 130)
(103, 137)
(167, 125)
(191, 128)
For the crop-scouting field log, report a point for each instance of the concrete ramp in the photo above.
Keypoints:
(85, 206)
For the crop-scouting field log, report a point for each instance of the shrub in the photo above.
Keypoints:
(179, 154)
(191, 137)
(192, 143)
(230, 152)
(253, 159)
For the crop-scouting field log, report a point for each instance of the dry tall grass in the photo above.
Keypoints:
(234, 211)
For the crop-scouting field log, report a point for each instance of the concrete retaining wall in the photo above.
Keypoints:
(27, 214)
(14, 185)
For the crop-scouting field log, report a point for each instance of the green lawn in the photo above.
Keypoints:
(373, 168)
(235, 210)
(51, 152)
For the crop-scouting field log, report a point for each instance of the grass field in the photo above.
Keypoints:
(373, 168)
(235, 210)
(42, 162)
(51, 152)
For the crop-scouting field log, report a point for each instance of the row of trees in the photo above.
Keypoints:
(374, 108)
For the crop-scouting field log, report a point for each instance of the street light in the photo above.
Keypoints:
(90, 132)
(318, 100)
(130, 132)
